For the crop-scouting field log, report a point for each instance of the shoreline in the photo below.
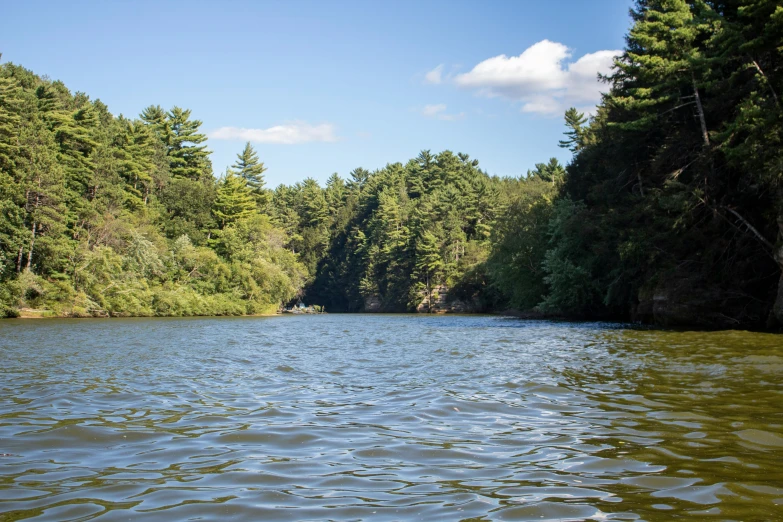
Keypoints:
(26, 314)
(51, 314)
(33, 314)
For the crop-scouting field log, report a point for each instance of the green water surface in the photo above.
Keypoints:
(387, 417)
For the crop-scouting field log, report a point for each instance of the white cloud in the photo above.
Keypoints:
(434, 76)
(582, 84)
(439, 111)
(542, 78)
(290, 134)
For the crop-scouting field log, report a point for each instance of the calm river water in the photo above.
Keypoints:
(387, 417)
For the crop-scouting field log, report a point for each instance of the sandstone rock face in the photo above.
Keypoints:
(373, 304)
(443, 303)
(682, 302)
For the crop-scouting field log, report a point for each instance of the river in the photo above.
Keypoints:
(387, 417)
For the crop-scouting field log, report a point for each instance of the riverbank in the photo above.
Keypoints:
(30, 313)
(530, 315)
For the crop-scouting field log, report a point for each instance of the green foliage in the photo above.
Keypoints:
(568, 264)
(102, 215)
(429, 265)
(675, 187)
(249, 168)
(552, 172)
(187, 158)
(234, 200)
(396, 235)
(187, 208)
(520, 243)
(576, 133)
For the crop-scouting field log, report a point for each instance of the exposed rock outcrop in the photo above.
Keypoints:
(373, 304)
(681, 302)
(441, 302)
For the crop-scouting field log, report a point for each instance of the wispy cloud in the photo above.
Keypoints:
(289, 134)
(542, 78)
(435, 76)
(438, 111)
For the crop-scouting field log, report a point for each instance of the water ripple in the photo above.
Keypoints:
(347, 417)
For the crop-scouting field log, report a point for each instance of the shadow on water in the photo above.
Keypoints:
(387, 417)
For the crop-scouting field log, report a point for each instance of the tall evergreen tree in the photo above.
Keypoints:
(44, 186)
(359, 177)
(335, 193)
(575, 122)
(249, 168)
(234, 200)
(188, 158)
(664, 62)
(10, 109)
(552, 172)
(429, 264)
(155, 116)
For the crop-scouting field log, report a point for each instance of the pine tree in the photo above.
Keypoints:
(359, 177)
(391, 231)
(429, 264)
(234, 200)
(43, 182)
(134, 148)
(552, 172)
(312, 204)
(251, 170)
(10, 107)
(13, 230)
(75, 125)
(575, 121)
(187, 158)
(335, 193)
(156, 119)
(664, 62)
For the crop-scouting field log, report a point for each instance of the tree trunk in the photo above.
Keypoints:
(777, 254)
(700, 109)
(32, 244)
(777, 308)
(641, 187)
(766, 80)
(429, 296)
(35, 225)
(19, 260)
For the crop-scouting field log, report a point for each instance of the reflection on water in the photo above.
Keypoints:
(351, 417)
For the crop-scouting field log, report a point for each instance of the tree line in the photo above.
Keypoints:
(105, 215)
(672, 206)
(669, 211)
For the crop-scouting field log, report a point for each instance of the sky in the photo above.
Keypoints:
(323, 87)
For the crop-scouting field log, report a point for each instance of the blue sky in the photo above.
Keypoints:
(325, 87)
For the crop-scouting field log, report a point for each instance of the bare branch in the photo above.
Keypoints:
(766, 80)
(750, 227)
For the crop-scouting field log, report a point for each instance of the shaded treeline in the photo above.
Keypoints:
(672, 209)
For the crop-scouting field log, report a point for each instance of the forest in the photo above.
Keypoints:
(670, 210)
